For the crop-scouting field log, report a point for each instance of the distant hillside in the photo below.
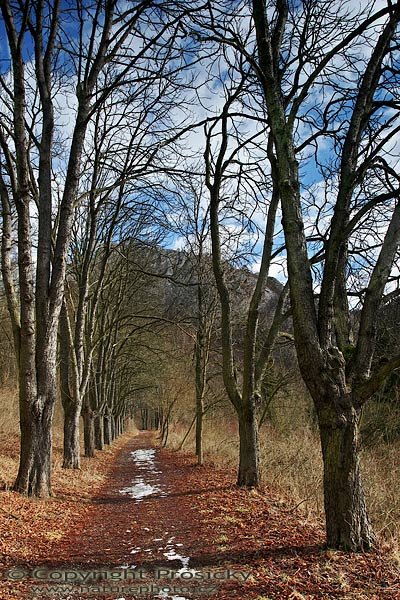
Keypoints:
(178, 273)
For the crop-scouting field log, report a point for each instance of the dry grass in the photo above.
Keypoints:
(8, 412)
(9, 438)
(381, 468)
(292, 467)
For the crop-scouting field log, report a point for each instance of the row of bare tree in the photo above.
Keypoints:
(86, 97)
(262, 133)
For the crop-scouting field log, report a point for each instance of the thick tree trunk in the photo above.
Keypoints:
(72, 413)
(347, 522)
(249, 470)
(88, 430)
(34, 474)
(99, 432)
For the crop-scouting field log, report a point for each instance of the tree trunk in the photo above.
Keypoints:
(144, 418)
(34, 474)
(347, 522)
(88, 429)
(99, 432)
(164, 439)
(112, 427)
(107, 430)
(249, 470)
(71, 403)
(199, 430)
(72, 414)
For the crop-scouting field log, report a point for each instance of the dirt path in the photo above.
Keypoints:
(161, 521)
(145, 519)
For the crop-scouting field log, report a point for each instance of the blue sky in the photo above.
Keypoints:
(309, 171)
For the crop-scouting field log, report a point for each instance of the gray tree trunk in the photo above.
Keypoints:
(99, 432)
(72, 415)
(88, 432)
(107, 430)
(249, 468)
(112, 427)
(71, 404)
(34, 473)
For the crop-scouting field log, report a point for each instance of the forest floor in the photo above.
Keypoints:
(159, 526)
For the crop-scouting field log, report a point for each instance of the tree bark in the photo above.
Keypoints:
(347, 522)
(249, 469)
(116, 427)
(199, 431)
(112, 427)
(72, 413)
(70, 397)
(107, 430)
(99, 432)
(34, 474)
(88, 430)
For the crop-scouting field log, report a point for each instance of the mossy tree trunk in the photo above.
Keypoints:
(347, 522)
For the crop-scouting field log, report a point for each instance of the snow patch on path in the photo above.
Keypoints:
(139, 489)
(144, 461)
(172, 554)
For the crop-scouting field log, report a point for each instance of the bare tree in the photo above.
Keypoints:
(122, 157)
(40, 297)
(110, 45)
(328, 74)
(288, 74)
(206, 315)
(235, 176)
(191, 224)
